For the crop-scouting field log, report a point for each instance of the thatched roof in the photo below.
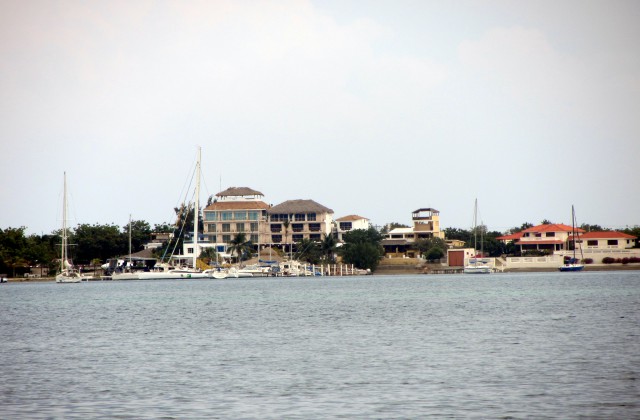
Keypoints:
(238, 192)
(299, 206)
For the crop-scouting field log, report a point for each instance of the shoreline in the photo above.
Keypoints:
(608, 267)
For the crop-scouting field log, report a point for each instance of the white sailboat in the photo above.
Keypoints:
(68, 274)
(573, 264)
(477, 265)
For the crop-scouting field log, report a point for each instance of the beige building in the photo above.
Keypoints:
(295, 220)
(235, 210)
(399, 241)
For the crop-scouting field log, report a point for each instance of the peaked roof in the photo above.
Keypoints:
(350, 218)
(511, 237)
(299, 206)
(553, 227)
(606, 235)
(238, 192)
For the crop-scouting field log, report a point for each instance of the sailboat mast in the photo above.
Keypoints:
(196, 211)
(475, 226)
(63, 252)
(129, 240)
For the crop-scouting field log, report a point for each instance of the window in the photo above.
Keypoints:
(299, 217)
(346, 225)
(226, 238)
(297, 238)
(189, 250)
(592, 242)
(212, 238)
(311, 217)
(239, 215)
(276, 238)
(314, 236)
(239, 227)
(253, 226)
(226, 215)
(226, 227)
(210, 215)
(254, 238)
(550, 234)
(253, 215)
(211, 227)
(314, 227)
(279, 217)
(612, 242)
(297, 227)
(276, 227)
(525, 235)
(538, 235)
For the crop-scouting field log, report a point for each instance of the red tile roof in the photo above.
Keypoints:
(554, 227)
(511, 237)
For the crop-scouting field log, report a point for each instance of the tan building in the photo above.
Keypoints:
(306, 219)
(399, 241)
(236, 210)
(610, 240)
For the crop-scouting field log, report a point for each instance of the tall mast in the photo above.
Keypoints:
(129, 240)
(63, 256)
(196, 211)
(475, 226)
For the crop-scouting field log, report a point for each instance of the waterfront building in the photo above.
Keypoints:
(348, 223)
(546, 237)
(610, 240)
(235, 210)
(399, 241)
(294, 220)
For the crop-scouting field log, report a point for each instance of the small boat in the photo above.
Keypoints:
(68, 273)
(477, 265)
(572, 263)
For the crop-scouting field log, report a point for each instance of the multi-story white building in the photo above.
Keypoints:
(426, 225)
(295, 220)
(348, 223)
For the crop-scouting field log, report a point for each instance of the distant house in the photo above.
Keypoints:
(547, 237)
(607, 240)
(399, 241)
(348, 223)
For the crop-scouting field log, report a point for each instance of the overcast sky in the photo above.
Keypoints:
(375, 108)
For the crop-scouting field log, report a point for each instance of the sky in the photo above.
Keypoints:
(374, 108)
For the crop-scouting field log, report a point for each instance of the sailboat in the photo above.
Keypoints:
(68, 274)
(572, 264)
(475, 265)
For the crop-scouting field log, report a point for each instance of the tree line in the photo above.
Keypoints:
(93, 244)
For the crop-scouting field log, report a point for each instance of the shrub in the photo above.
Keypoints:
(608, 260)
(625, 260)
(588, 260)
(634, 260)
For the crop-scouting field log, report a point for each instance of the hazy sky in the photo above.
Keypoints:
(375, 108)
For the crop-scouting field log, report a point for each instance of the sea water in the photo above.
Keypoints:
(538, 345)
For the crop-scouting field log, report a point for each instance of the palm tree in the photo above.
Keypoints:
(239, 245)
(285, 224)
(209, 254)
(328, 246)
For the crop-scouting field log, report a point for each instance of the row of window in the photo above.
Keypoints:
(296, 227)
(539, 235)
(298, 217)
(239, 227)
(212, 216)
(295, 238)
(227, 238)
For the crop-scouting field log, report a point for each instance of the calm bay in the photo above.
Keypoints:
(530, 345)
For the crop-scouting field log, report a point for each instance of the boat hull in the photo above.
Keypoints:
(571, 267)
(477, 270)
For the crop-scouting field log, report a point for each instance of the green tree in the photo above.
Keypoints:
(328, 247)
(362, 248)
(98, 241)
(309, 251)
(240, 246)
(209, 255)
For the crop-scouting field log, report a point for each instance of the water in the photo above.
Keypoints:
(540, 345)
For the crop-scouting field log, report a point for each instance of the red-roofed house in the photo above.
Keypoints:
(607, 240)
(551, 237)
(510, 238)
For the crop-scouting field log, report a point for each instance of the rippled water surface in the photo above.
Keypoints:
(543, 345)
